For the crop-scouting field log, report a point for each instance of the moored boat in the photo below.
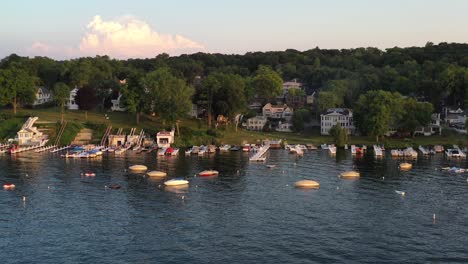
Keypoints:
(206, 173)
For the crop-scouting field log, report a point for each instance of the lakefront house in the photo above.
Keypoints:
(256, 123)
(43, 95)
(277, 112)
(333, 116)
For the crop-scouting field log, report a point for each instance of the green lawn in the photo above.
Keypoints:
(194, 132)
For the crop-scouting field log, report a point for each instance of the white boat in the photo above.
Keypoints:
(303, 147)
(332, 149)
(324, 146)
(202, 150)
(423, 150)
(410, 152)
(378, 151)
(188, 151)
(224, 148)
(397, 153)
(162, 151)
(455, 153)
(299, 150)
(439, 148)
(175, 152)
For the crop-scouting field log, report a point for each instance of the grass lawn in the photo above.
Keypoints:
(195, 132)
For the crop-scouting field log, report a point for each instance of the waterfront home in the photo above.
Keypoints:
(434, 128)
(164, 139)
(71, 103)
(116, 104)
(256, 123)
(284, 127)
(293, 84)
(333, 116)
(277, 112)
(457, 116)
(29, 135)
(43, 95)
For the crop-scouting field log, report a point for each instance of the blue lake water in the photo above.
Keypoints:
(248, 214)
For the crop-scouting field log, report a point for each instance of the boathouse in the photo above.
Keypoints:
(164, 139)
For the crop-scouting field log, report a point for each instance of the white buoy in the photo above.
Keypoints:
(24, 198)
(401, 193)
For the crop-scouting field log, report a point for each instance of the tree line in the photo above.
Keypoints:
(166, 86)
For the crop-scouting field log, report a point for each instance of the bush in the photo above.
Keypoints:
(340, 135)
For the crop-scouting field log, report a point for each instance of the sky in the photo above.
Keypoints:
(145, 28)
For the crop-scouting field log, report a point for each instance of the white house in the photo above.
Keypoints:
(43, 95)
(284, 127)
(293, 84)
(71, 103)
(277, 112)
(116, 104)
(256, 123)
(164, 139)
(29, 135)
(433, 128)
(333, 116)
(455, 116)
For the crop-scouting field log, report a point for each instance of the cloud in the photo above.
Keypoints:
(126, 37)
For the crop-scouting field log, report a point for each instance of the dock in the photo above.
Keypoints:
(260, 155)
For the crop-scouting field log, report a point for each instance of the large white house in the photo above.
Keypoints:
(43, 95)
(71, 103)
(333, 116)
(277, 112)
(256, 123)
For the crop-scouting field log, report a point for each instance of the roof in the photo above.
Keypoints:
(282, 107)
(44, 90)
(341, 111)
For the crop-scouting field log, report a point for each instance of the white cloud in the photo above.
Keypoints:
(126, 37)
(130, 37)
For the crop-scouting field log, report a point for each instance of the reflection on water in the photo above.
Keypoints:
(247, 214)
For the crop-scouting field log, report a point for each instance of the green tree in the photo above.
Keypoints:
(16, 87)
(376, 111)
(135, 96)
(339, 134)
(61, 95)
(326, 100)
(415, 114)
(86, 98)
(267, 83)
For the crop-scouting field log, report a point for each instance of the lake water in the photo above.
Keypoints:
(248, 214)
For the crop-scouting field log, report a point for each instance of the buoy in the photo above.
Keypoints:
(156, 174)
(175, 182)
(350, 175)
(138, 168)
(8, 186)
(89, 174)
(208, 173)
(24, 198)
(307, 184)
(406, 166)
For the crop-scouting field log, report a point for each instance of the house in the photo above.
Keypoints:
(256, 123)
(116, 104)
(333, 116)
(195, 111)
(455, 116)
(433, 128)
(277, 112)
(293, 84)
(29, 135)
(164, 139)
(43, 95)
(255, 106)
(71, 103)
(295, 101)
(284, 127)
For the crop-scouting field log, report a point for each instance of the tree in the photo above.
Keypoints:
(376, 111)
(135, 96)
(171, 96)
(16, 87)
(415, 114)
(300, 116)
(86, 98)
(339, 134)
(61, 95)
(267, 83)
(326, 100)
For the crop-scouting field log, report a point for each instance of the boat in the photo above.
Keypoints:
(261, 154)
(423, 150)
(410, 152)
(397, 153)
(246, 148)
(324, 146)
(89, 174)
(438, 148)
(206, 173)
(195, 150)
(211, 149)
(332, 149)
(402, 193)
(224, 148)
(202, 150)
(291, 148)
(234, 148)
(455, 153)
(271, 166)
(378, 151)
(169, 151)
(8, 186)
(303, 147)
(175, 152)
(188, 151)
(299, 150)
(355, 150)
(311, 147)
(162, 151)
(175, 182)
